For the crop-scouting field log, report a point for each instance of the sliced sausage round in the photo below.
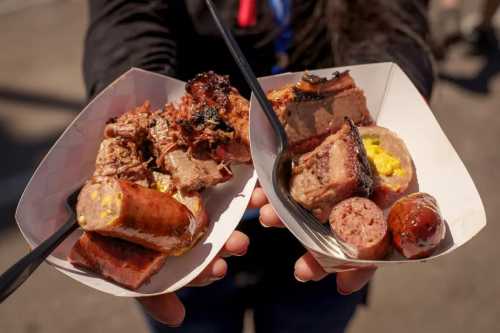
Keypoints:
(360, 223)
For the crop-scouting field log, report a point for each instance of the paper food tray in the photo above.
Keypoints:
(395, 103)
(71, 161)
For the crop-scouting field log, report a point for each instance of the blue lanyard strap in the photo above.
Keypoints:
(282, 15)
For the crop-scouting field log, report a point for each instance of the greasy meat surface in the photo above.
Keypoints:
(125, 263)
(144, 216)
(192, 200)
(316, 107)
(132, 125)
(215, 91)
(337, 169)
(121, 158)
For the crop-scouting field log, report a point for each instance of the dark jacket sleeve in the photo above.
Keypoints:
(128, 33)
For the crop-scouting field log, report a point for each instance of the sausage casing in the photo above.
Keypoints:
(416, 225)
(147, 217)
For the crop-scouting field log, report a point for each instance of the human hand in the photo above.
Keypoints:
(167, 308)
(306, 267)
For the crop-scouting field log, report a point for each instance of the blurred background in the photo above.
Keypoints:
(41, 91)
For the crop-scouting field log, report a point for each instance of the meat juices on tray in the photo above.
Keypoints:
(360, 223)
(125, 263)
(335, 170)
(316, 107)
(137, 214)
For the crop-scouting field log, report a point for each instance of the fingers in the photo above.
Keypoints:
(166, 308)
(352, 281)
(308, 269)
(236, 245)
(216, 270)
(348, 282)
(258, 198)
(268, 217)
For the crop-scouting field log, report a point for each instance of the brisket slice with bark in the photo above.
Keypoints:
(335, 170)
(316, 107)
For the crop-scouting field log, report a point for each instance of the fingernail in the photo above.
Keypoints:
(216, 278)
(241, 254)
(299, 279)
(176, 325)
(343, 292)
(262, 223)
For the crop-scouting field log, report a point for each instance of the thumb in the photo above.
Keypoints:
(166, 308)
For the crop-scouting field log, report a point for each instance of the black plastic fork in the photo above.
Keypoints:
(18, 273)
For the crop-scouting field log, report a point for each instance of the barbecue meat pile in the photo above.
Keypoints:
(180, 150)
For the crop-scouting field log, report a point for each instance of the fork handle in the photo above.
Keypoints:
(15, 276)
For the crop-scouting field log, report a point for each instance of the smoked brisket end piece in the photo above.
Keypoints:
(335, 170)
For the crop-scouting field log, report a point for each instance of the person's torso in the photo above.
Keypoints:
(201, 47)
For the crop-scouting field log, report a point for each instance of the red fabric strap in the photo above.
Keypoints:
(247, 13)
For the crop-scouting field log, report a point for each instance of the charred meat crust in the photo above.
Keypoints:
(211, 118)
(364, 170)
(315, 108)
(210, 88)
(313, 87)
(335, 170)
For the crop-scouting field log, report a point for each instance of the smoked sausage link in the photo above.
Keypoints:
(147, 217)
(416, 225)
